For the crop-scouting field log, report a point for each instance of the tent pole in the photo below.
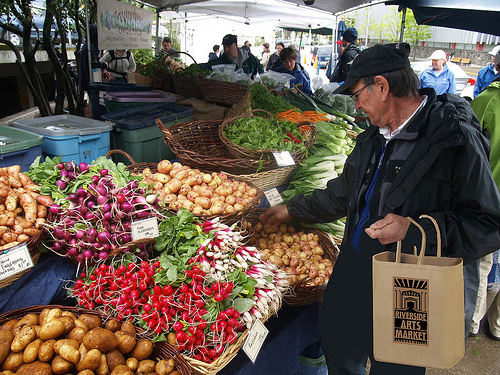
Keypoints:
(157, 44)
(89, 46)
(403, 20)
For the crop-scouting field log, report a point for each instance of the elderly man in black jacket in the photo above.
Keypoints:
(422, 154)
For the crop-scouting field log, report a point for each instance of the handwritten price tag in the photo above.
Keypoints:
(283, 158)
(147, 228)
(255, 339)
(273, 196)
(17, 259)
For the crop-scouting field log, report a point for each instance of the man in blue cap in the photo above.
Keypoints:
(351, 50)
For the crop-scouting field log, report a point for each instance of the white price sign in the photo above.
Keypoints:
(147, 228)
(15, 260)
(283, 158)
(255, 339)
(273, 196)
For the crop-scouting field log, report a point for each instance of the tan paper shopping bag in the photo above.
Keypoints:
(418, 307)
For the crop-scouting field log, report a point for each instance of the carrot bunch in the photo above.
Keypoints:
(294, 116)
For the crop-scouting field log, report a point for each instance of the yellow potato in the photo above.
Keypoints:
(145, 367)
(70, 314)
(114, 358)
(102, 369)
(52, 329)
(43, 316)
(127, 326)
(46, 351)
(121, 370)
(31, 319)
(113, 325)
(37, 329)
(53, 314)
(77, 334)
(69, 353)
(132, 363)
(13, 362)
(68, 323)
(165, 366)
(100, 338)
(92, 321)
(9, 325)
(60, 366)
(142, 350)
(30, 353)
(35, 368)
(59, 343)
(82, 324)
(86, 372)
(6, 338)
(23, 338)
(90, 361)
(126, 341)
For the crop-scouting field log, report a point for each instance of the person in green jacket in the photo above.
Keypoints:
(486, 106)
(234, 55)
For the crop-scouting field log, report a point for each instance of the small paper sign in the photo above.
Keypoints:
(147, 228)
(283, 158)
(15, 260)
(273, 196)
(255, 339)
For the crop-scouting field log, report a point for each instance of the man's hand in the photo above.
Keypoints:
(275, 215)
(390, 229)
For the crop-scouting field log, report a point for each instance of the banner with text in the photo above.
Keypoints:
(123, 26)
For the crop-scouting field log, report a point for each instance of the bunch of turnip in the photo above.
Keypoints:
(297, 252)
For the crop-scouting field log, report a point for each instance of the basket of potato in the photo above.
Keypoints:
(306, 254)
(23, 213)
(46, 340)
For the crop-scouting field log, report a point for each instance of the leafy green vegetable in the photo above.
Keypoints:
(262, 98)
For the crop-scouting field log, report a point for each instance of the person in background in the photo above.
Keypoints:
(266, 54)
(486, 106)
(487, 74)
(238, 56)
(351, 50)
(117, 64)
(438, 76)
(215, 53)
(168, 50)
(337, 65)
(274, 61)
(290, 66)
(422, 154)
(246, 46)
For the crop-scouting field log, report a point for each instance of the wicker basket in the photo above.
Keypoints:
(240, 152)
(268, 179)
(161, 350)
(223, 93)
(138, 78)
(243, 107)
(34, 252)
(303, 293)
(188, 86)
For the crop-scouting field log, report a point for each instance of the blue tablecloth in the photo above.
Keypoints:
(44, 284)
(290, 333)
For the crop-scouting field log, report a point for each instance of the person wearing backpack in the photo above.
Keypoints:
(118, 62)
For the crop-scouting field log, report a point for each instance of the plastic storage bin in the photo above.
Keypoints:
(136, 133)
(19, 147)
(122, 101)
(72, 137)
(98, 89)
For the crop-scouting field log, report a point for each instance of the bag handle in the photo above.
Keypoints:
(424, 240)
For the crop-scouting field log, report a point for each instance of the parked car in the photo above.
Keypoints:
(464, 84)
(324, 54)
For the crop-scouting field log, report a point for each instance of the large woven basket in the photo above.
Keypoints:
(34, 251)
(188, 86)
(223, 93)
(161, 350)
(137, 168)
(138, 78)
(163, 80)
(238, 151)
(303, 293)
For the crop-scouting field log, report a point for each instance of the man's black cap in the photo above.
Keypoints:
(229, 39)
(379, 59)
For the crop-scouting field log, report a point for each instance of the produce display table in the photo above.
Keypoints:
(290, 333)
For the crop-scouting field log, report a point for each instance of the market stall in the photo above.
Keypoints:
(174, 244)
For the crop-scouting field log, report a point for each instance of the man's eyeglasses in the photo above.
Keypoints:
(355, 95)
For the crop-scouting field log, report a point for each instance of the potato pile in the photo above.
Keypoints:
(201, 193)
(22, 209)
(298, 253)
(58, 342)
